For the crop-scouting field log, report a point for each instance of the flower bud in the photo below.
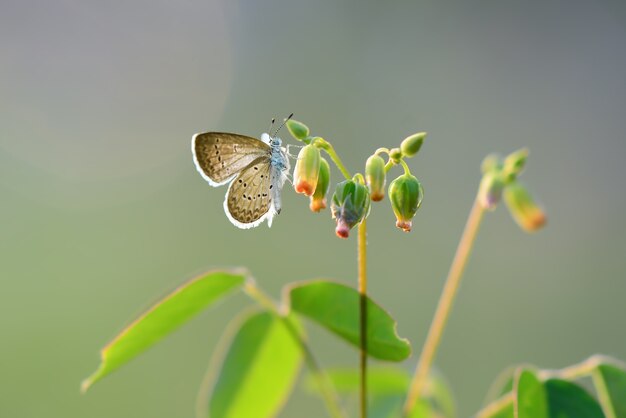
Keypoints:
(491, 162)
(375, 177)
(526, 212)
(318, 199)
(350, 205)
(297, 129)
(514, 163)
(405, 194)
(412, 144)
(306, 171)
(490, 190)
(395, 154)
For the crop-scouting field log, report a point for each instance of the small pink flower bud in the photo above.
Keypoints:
(306, 171)
(350, 205)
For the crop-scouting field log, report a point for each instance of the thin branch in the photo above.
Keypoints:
(445, 305)
(362, 259)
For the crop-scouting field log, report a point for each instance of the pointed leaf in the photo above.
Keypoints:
(611, 386)
(259, 370)
(568, 400)
(531, 400)
(336, 307)
(164, 317)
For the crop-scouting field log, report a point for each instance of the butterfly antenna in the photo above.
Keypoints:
(283, 124)
(271, 125)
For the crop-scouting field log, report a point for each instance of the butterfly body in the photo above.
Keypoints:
(255, 169)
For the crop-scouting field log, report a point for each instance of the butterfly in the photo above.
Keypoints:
(256, 170)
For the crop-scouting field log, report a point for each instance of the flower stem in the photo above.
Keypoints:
(362, 259)
(445, 304)
(326, 146)
(331, 399)
(497, 406)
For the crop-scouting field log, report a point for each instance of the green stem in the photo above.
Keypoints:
(496, 406)
(382, 150)
(577, 371)
(362, 259)
(326, 146)
(406, 167)
(324, 383)
(603, 394)
(446, 301)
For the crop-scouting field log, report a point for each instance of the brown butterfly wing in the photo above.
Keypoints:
(219, 156)
(249, 200)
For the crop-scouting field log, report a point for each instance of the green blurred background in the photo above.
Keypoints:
(103, 211)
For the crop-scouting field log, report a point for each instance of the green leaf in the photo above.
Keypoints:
(610, 381)
(387, 387)
(336, 307)
(259, 370)
(531, 400)
(568, 400)
(164, 317)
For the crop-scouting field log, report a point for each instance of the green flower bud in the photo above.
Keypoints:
(491, 162)
(490, 190)
(297, 129)
(306, 171)
(405, 194)
(318, 199)
(375, 177)
(514, 163)
(525, 211)
(395, 154)
(412, 144)
(350, 205)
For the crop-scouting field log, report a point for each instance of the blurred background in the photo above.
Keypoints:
(103, 211)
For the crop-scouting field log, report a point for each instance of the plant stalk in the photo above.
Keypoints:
(497, 406)
(331, 399)
(326, 146)
(444, 306)
(362, 259)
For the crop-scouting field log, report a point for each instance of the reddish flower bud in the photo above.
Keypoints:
(306, 171)
(526, 212)
(318, 199)
(405, 194)
(376, 177)
(350, 205)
